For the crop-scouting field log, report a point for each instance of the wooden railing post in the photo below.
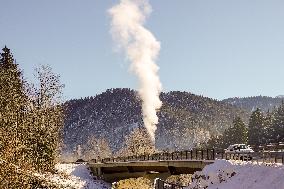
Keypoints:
(186, 154)
(196, 154)
(207, 154)
(191, 154)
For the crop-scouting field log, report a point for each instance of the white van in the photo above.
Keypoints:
(242, 151)
(238, 148)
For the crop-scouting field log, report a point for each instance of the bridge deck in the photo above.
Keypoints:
(166, 163)
(112, 171)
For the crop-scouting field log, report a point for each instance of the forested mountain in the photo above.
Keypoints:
(265, 103)
(185, 119)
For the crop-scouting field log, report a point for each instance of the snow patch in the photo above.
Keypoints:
(239, 175)
(77, 176)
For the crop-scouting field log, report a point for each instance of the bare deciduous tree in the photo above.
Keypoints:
(138, 142)
(96, 148)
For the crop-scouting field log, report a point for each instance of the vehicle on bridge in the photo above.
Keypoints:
(239, 151)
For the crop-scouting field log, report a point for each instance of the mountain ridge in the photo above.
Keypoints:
(185, 120)
(265, 103)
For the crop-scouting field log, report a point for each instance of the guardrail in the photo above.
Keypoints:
(261, 156)
(195, 154)
(202, 154)
(269, 147)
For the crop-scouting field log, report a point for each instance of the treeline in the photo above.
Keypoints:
(31, 119)
(263, 128)
(136, 143)
(265, 103)
(187, 121)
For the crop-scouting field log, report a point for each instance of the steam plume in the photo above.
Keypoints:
(141, 49)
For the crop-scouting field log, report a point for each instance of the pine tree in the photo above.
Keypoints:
(13, 131)
(237, 134)
(29, 127)
(12, 103)
(267, 135)
(278, 124)
(240, 131)
(256, 128)
(216, 142)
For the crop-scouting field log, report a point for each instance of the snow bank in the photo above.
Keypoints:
(76, 176)
(239, 175)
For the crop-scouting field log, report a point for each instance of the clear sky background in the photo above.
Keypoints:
(215, 48)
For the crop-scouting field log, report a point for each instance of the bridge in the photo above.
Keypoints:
(164, 164)
(160, 165)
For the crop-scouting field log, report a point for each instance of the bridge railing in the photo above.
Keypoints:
(202, 154)
(259, 157)
(161, 184)
(195, 154)
(275, 147)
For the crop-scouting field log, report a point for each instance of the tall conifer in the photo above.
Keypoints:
(278, 124)
(256, 127)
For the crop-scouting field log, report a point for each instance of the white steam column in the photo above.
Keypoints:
(141, 49)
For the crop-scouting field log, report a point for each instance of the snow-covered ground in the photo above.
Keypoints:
(76, 176)
(222, 174)
(239, 175)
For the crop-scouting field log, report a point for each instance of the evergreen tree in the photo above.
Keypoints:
(12, 102)
(13, 131)
(237, 134)
(277, 128)
(240, 131)
(31, 119)
(267, 134)
(256, 128)
(216, 142)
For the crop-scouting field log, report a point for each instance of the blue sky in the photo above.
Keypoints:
(215, 48)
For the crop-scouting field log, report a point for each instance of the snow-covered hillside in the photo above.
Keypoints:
(185, 119)
(239, 175)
